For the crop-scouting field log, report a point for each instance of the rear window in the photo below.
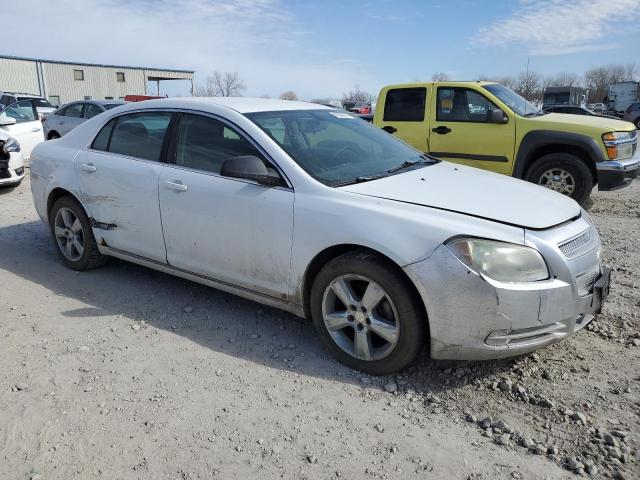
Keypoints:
(405, 105)
(109, 106)
(138, 135)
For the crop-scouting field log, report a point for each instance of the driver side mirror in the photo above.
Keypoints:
(250, 167)
(6, 120)
(497, 116)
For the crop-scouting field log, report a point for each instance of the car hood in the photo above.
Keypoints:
(474, 192)
(567, 120)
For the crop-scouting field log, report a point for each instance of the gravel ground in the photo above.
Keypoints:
(124, 372)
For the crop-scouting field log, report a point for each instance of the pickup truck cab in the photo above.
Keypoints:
(486, 125)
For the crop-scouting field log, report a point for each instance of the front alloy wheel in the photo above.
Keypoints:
(558, 180)
(367, 313)
(360, 317)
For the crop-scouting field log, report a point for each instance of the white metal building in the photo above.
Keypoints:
(63, 82)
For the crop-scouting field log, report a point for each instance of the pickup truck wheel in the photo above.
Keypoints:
(563, 173)
(366, 315)
(73, 236)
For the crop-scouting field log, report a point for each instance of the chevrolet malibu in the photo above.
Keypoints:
(313, 211)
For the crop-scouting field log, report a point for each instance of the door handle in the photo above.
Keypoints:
(35, 129)
(390, 129)
(441, 130)
(88, 167)
(177, 185)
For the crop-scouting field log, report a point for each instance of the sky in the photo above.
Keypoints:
(323, 48)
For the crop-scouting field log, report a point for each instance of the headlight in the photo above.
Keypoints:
(11, 145)
(504, 262)
(619, 145)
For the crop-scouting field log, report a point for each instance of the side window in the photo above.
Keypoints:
(101, 142)
(462, 105)
(140, 135)
(205, 143)
(405, 105)
(6, 100)
(21, 111)
(91, 110)
(73, 110)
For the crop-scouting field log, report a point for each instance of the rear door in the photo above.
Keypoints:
(118, 176)
(71, 117)
(460, 131)
(28, 127)
(404, 114)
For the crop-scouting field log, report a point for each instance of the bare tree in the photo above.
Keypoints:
(440, 77)
(357, 95)
(288, 95)
(227, 84)
(597, 80)
(529, 85)
(563, 79)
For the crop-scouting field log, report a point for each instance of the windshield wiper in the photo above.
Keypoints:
(361, 179)
(409, 163)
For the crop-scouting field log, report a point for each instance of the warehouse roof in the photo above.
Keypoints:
(11, 57)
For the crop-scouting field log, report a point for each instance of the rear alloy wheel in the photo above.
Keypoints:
(563, 173)
(73, 236)
(366, 313)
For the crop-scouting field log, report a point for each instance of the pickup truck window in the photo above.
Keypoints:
(514, 101)
(337, 148)
(405, 105)
(462, 105)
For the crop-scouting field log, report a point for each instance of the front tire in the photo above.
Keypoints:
(72, 235)
(366, 314)
(564, 173)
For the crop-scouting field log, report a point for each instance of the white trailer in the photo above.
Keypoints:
(621, 95)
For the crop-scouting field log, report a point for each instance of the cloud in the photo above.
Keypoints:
(557, 27)
(260, 39)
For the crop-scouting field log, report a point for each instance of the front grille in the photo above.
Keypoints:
(571, 248)
(585, 280)
(5, 173)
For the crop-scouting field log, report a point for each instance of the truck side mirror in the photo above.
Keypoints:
(497, 116)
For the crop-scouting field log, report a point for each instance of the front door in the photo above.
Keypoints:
(67, 119)
(230, 230)
(460, 131)
(28, 127)
(118, 178)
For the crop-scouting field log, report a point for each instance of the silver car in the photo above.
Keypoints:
(311, 210)
(69, 116)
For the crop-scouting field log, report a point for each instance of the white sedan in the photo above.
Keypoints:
(310, 210)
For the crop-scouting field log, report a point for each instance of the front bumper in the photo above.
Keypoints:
(615, 174)
(472, 317)
(12, 169)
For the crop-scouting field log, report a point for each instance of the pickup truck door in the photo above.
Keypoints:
(405, 115)
(460, 130)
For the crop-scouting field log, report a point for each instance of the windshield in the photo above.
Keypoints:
(38, 102)
(337, 148)
(514, 101)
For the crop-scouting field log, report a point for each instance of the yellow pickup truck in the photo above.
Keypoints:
(487, 125)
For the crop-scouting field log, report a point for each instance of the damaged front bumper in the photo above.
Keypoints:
(472, 317)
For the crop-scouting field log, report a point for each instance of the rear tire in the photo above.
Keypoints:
(564, 173)
(72, 235)
(53, 136)
(383, 328)
(638, 123)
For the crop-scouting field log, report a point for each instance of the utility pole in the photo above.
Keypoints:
(526, 88)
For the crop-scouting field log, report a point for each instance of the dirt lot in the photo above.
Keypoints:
(126, 373)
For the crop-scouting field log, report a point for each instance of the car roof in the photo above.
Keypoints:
(239, 104)
(104, 102)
